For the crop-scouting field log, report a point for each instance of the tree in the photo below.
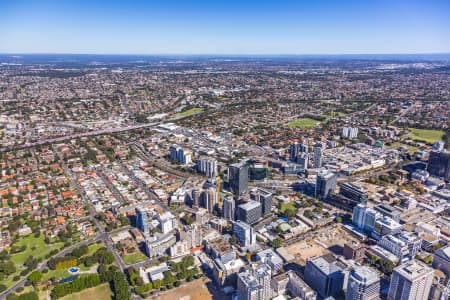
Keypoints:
(338, 219)
(289, 213)
(277, 242)
(29, 296)
(386, 266)
(79, 252)
(2, 287)
(34, 277)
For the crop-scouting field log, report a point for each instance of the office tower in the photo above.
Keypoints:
(325, 184)
(318, 156)
(258, 170)
(254, 284)
(265, 198)
(249, 212)
(364, 217)
(363, 284)
(441, 260)
(228, 208)
(353, 192)
(324, 277)
(350, 132)
(238, 177)
(293, 151)
(411, 281)
(303, 160)
(207, 166)
(439, 164)
(142, 219)
(244, 233)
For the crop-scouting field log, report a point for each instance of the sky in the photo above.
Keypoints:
(225, 27)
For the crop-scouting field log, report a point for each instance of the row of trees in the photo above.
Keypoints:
(75, 286)
(112, 275)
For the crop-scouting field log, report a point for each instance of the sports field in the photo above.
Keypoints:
(427, 135)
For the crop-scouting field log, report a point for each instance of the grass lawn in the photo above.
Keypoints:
(303, 123)
(285, 206)
(41, 249)
(94, 247)
(427, 135)
(134, 258)
(189, 112)
(411, 149)
(96, 293)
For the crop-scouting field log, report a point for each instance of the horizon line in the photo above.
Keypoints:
(226, 54)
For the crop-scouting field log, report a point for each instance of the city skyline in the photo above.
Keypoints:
(223, 28)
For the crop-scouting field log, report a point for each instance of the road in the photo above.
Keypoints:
(81, 134)
(142, 185)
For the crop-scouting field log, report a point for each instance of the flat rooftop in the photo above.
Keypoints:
(413, 270)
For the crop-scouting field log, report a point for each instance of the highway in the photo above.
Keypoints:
(81, 134)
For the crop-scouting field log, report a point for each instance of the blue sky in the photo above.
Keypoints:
(225, 27)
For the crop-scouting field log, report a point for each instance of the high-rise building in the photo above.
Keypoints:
(180, 155)
(167, 222)
(439, 164)
(207, 166)
(318, 149)
(228, 208)
(350, 132)
(265, 198)
(294, 150)
(249, 212)
(210, 199)
(258, 170)
(441, 260)
(364, 217)
(238, 177)
(411, 281)
(363, 284)
(438, 146)
(325, 184)
(303, 160)
(385, 226)
(254, 284)
(244, 233)
(353, 192)
(142, 219)
(323, 276)
(196, 196)
(389, 211)
(404, 245)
